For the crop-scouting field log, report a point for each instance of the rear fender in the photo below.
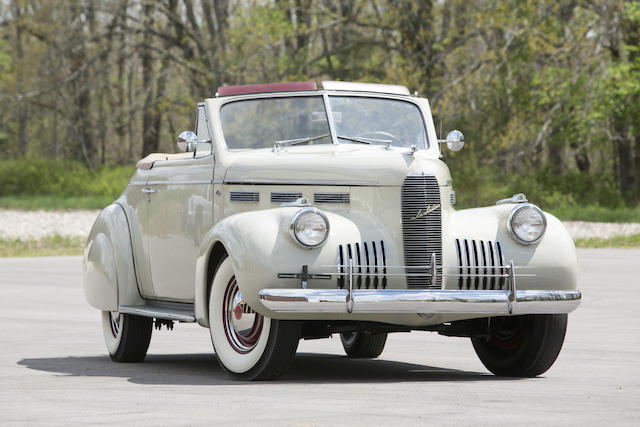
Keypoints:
(109, 275)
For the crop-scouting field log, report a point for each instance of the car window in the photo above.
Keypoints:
(259, 123)
(378, 119)
(202, 130)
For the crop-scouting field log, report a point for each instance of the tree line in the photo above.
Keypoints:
(545, 91)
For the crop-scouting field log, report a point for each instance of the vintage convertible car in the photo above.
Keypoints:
(297, 212)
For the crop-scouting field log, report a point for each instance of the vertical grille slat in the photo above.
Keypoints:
(367, 280)
(501, 261)
(384, 265)
(484, 263)
(421, 228)
(359, 261)
(375, 268)
(341, 263)
(459, 253)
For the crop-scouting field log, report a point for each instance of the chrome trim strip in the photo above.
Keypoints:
(178, 182)
(167, 313)
(419, 301)
(270, 181)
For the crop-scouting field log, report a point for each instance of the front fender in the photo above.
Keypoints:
(109, 277)
(554, 256)
(260, 247)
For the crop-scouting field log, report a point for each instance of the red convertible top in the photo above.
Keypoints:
(269, 87)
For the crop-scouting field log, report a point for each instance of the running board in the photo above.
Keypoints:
(181, 312)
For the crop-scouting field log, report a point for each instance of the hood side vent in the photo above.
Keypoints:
(244, 196)
(331, 198)
(283, 197)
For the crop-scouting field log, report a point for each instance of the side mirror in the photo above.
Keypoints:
(187, 141)
(455, 140)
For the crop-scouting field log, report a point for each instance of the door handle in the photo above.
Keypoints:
(149, 191)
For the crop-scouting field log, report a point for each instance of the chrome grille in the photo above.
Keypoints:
(370, 264)
(244, 196)
(421, 229)
(331, 198)
(283, 197)
(479, 257)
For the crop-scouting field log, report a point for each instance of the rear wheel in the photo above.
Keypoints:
(248, 345)
(521, 346)
(127, 336)
(362, 345)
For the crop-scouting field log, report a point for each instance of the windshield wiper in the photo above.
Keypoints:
(364, 140)
(296, 141)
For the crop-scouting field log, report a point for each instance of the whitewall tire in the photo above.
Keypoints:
(127, 336)
(248, 345)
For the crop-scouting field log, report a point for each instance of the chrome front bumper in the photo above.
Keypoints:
(419, 301)
(423, 301)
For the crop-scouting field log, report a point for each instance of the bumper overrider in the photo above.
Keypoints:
(429, 301)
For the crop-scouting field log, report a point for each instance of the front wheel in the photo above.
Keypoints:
(127, 336)
(248, 345)
(521, 346)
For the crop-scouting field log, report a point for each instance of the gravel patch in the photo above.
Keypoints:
(604, 230)
(36, 224)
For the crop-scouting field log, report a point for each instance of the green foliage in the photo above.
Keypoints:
(632, 241)
(55, 245)
(61, 178)
(596, 213)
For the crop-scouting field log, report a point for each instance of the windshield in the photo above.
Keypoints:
(302, 120)
(260, 123)
(377, 120)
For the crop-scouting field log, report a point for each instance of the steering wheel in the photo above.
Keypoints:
(384, 134)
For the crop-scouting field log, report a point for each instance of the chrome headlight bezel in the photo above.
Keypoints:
(294, 220)
(510, 227)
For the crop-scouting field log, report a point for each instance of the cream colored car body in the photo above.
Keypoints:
(161, 240)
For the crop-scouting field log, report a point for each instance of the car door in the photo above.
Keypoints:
(180, 213)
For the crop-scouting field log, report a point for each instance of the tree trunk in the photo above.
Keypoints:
(149, 137)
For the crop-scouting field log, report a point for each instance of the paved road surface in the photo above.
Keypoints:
(53, 367)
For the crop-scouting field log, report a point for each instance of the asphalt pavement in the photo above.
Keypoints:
(54, 369)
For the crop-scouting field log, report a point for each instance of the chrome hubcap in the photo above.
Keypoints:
(242, 325)
(114, 318)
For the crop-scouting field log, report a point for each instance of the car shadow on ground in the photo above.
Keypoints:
(203, 369)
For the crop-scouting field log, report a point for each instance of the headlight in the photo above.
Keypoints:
(309, 227)
(527, 224)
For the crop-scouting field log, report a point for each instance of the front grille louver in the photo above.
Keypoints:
(478, 257)
(370, 264)
(421, 229)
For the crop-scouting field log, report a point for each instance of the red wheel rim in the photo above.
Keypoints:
(242, 325)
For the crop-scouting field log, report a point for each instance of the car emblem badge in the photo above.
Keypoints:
(424, 212)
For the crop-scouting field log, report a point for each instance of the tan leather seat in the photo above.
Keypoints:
(147, 162)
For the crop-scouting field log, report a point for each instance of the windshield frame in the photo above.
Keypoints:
(325, 98)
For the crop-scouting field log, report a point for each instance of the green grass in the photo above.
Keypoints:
(632, 241)
(49, 203)
(55, 245)
(58, 245)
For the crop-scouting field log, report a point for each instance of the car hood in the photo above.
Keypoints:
(361, 165)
